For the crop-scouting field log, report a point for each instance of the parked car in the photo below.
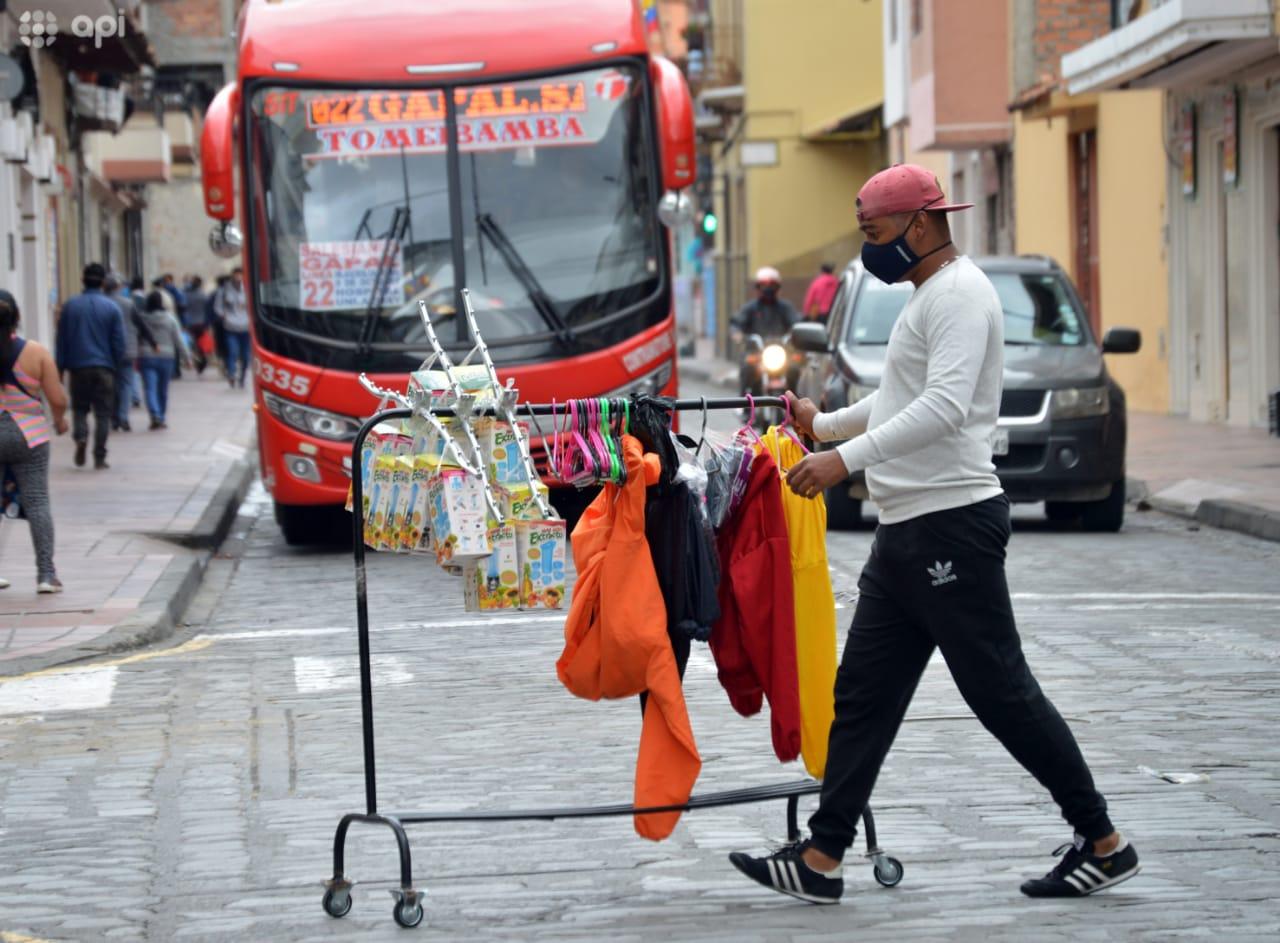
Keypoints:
(1060, 437)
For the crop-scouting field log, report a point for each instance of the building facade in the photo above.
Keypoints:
(1089, 185)
(1215, 67)
(794, 94)
(946, 97)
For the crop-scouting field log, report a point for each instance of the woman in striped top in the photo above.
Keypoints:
(26, 370)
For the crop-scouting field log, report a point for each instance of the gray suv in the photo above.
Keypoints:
(1061, 432)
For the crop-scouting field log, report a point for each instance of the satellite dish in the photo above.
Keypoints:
(12, 80)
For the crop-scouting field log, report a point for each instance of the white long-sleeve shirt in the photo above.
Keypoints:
(924, 437)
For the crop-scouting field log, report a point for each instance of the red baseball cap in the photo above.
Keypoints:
(903, 188)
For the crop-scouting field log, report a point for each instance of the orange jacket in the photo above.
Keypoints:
(616, 642)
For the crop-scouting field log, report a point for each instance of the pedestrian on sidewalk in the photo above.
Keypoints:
(157, 366)
(195, 319)
(90, 347)
(935, 578)
(234, 311)
(135, 332)
(213, 306)
(821, 292)
(26, 370)
(138, 295)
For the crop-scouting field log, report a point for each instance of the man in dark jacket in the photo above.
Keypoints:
(768, 315)
(195, 318)
(90, 347)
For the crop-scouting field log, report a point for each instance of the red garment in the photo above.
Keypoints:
(822, 291)
(754, 643)
(616, 642)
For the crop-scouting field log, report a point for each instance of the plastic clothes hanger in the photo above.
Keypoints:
(788, 430)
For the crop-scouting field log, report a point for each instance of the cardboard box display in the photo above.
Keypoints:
(434, 384)
(518, 504)
(541, 546)
(401, 489)
(384, 480)
(506, 467)
(459, 517)
(493, 582)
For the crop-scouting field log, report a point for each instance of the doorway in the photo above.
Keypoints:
(1084, 221)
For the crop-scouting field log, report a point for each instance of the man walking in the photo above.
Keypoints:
(935, 577)
(90, 347)
(135, 332)
(234, 312)
(195, 319)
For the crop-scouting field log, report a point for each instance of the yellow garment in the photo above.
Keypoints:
(815, 607)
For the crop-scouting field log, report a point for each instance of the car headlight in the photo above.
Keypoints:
(653, 383)
(774, 358)
(317, 422)
(1079, 402)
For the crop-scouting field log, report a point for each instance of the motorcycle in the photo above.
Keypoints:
(774, 366)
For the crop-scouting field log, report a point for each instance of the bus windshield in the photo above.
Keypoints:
(352, 211)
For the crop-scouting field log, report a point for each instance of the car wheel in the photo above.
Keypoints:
(1107, 515)
(1061, 512)
(843, 512)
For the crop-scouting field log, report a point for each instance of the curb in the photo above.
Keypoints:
(161, 611)
(1248, 519)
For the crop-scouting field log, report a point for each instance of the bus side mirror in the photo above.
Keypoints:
(217, 154)
(677, 144)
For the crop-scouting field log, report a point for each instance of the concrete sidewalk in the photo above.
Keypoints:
(131, 541)
(1218, 475)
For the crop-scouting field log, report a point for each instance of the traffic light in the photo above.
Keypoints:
(710, 223)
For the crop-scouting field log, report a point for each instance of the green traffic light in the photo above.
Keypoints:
(709, 223)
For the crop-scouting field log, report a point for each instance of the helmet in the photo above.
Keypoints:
(768, 275)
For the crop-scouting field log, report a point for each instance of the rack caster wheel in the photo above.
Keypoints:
(888, 871)
(408, 909)
(337, 903)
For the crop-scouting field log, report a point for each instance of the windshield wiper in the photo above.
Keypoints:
(542, 303)
(382, 278)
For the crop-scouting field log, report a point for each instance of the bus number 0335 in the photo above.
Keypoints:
(282, 379)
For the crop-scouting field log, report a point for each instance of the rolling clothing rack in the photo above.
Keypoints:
(408, 909)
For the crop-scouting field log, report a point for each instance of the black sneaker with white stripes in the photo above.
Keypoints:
(1081, 872)
(784, 871)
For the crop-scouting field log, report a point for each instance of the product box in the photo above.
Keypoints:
(459, 517)
(473, 378)
(518, 504)
(373, 444)
(541, 546)
(401, 488)
(377, 500)
(416, 532)
(506, 467)
(385, 467)
(494, 582)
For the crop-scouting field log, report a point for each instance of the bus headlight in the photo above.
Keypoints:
(317, 422)
(774, 358)
(1080, 402)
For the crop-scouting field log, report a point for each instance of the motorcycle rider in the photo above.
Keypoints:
(768, 315)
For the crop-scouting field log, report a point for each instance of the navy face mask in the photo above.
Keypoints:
(890, 261)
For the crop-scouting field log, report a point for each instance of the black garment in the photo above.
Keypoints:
(93, 388)
(685, 561)
(938, 580)
(771, 320)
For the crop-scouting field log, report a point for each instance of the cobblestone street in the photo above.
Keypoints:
(192, 792)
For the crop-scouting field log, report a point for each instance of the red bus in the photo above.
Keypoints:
(392, 151)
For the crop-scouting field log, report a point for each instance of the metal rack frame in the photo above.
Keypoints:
(408, 910)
